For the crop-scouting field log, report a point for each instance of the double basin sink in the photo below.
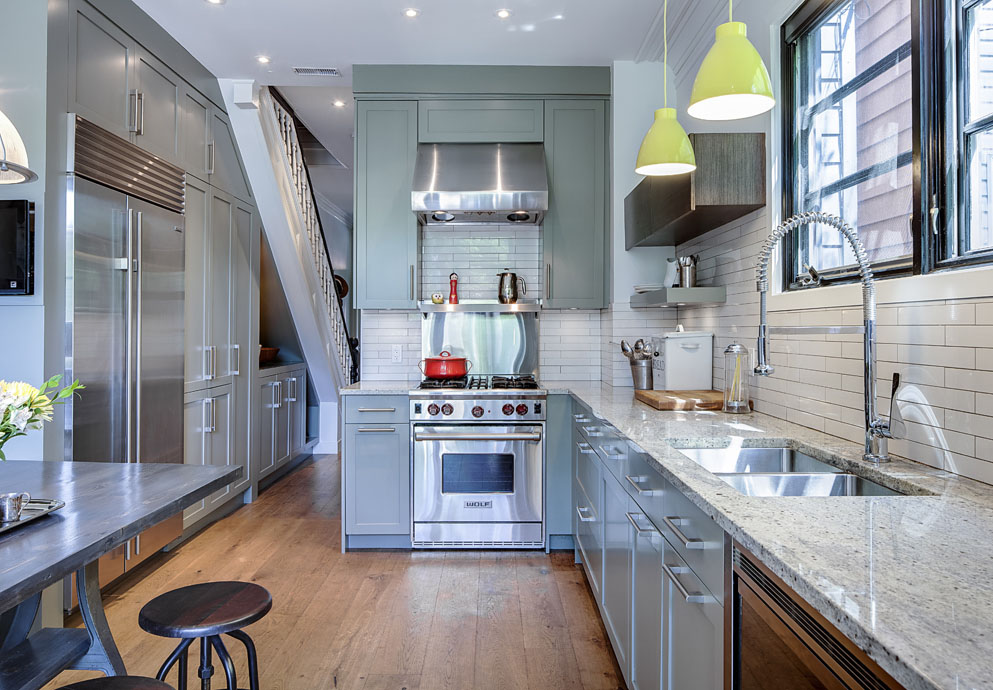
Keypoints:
(782, 472)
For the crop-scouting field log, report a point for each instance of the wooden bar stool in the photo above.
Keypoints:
(118, 683)
(205, 612)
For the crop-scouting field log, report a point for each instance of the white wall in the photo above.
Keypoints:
(23, 100)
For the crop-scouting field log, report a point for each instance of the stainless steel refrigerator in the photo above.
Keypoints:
(125, 305)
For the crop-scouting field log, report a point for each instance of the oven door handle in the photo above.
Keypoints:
(455, 436)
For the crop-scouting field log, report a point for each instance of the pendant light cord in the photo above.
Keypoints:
(665, 54)
(730, 10)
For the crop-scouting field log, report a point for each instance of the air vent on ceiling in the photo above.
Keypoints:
(317, 71)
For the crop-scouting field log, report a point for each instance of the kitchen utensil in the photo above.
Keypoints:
(641, 374)
(687, 271)
(626, 349)
(681, 400)
(736, 379)
(267, 354)
(444, 366)
(671, 272)
(507, 289)
(639, 348)
(453, 280)
(11, 505)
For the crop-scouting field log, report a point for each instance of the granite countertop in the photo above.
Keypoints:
(909, 579)
(379, 388)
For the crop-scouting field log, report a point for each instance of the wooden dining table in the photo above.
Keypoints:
(105, 505)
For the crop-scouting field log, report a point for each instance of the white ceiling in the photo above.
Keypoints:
(340, 33)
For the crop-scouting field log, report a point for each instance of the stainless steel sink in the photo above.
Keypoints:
(754, 460)
(805, 484)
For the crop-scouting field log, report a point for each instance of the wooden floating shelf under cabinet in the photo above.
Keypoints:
(680, 297)
(729, 182)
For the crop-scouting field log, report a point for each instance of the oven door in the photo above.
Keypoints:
(478, 474)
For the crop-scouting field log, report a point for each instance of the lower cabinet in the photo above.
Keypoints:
(377, 479)
(282, 418)
(211, 425)
(646, 624)
(618, 558)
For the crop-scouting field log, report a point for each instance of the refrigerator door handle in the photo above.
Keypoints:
(137, 368)
(129, 381)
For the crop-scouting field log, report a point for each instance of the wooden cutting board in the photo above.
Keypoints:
(682, 400)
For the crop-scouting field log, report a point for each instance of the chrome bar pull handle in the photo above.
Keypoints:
(636, 483)
(688, 543)
(377, 430)
(585, 448)
(210, 157)
(140, 110)
(694, 598)
(377, 409)
(236, 359)
(638, 529)
(133, 111)
(581, 511)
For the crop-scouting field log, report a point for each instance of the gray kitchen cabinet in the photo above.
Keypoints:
(296, 386)
(210, 436)
(194, 140)
(646, 610)
(223, 161)
(377, 479)
(618, 559)
(198, 195)
(692, 630)
(558, 470)
(480, 121)
(101, 71)
(589, 515)
(574, 230)
(282, 418)
(160, 92)
(386, 233)
(269, 401)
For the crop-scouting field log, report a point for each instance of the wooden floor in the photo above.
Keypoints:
(376, 620)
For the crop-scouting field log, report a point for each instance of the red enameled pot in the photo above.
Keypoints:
(444, 366)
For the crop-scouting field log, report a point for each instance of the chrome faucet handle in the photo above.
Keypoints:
(895, 426)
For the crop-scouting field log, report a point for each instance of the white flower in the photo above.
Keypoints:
(21, 418)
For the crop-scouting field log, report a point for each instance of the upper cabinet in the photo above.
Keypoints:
(159, 95)
(224, 164)
(480, 121)
(729, 182)
(386, 236)
(575, 227)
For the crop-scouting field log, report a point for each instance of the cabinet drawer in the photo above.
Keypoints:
(696, 538)
(588, 473)
(589, 538)
(612, 449)
(376, 409)
(645, 485)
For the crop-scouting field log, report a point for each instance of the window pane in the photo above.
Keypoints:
(854, 130)
(979, 36)
(980, 191)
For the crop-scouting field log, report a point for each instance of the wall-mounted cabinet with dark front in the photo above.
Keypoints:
(729, 182)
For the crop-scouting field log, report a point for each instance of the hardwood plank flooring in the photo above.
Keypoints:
(380, 620)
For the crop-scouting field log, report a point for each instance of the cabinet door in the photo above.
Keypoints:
(219, 287)
(197, 222)
(194, 134)
(589, 515)
(194, 449)
(618, 549)
(297, 404)
(490, 120)
(646, 609)
(574, 229)
(160, 93)
(385, 228)
(224, 163)
(220, 439)
(242, 323)
(377, 479)
(101, 71)
(281, 425)
(269, 395)
(693, 628)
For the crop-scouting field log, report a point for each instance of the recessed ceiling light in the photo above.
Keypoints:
(411, 12)
(263, 59)
(216, 2)
(339, 103)
(503, 14)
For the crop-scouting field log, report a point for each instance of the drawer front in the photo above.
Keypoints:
(589, 538)
(376, 409)
(696, 538)
(645, 485)
(593, 431)
(613, 451)
(588, 473)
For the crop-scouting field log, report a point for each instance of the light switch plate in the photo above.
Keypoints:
(396, 356)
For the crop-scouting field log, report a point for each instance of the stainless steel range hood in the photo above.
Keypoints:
(480, 183)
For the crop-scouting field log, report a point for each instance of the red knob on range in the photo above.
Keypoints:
(508, 409)
(433, 409)
(477, 411)
(522, 409)
(446, 409)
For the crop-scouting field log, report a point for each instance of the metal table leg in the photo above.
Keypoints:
(102, 655)
(15, 624)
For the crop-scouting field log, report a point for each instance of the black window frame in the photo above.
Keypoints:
(927, 149)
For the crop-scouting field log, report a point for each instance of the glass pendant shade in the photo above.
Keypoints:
(733, 82)
(665, 150)
(13, 156)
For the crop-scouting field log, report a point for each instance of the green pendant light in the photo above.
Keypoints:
(665, 150)
(733, 82)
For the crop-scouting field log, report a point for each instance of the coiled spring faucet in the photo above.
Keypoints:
(877, 430)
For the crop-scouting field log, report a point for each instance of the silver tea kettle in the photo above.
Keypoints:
(507, 291)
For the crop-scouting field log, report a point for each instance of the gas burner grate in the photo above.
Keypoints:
(435, 384)
(525, 382)
(480, 383)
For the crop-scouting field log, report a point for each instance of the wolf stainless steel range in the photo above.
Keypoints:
(478, 448)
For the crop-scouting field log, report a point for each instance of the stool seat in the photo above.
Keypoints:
(204, 610)
(119, 683)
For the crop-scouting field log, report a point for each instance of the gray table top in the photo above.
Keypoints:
(106, 504)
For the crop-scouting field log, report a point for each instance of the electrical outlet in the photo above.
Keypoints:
(396, 356)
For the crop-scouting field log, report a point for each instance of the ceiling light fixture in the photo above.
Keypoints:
(733, 82)
(503, 14)
(263, 59)
(665, 150)
(339, 103)
(411, 12)
(13, 156)
(216, 2)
